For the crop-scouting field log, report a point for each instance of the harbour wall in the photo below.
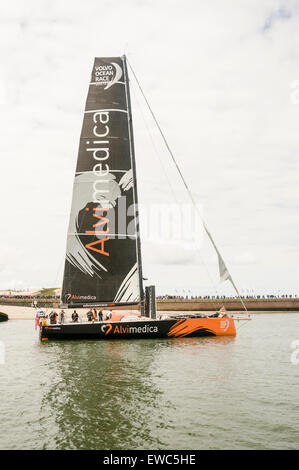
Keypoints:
(262, 305)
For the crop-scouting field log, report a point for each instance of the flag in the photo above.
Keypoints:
(37, 320)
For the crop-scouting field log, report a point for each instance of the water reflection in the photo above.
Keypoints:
(105, 397)
(119, 394)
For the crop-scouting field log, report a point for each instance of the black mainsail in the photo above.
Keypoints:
(103, 260)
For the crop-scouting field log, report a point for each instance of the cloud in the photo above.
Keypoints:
(246, 258)
(281, 14)
(217, 75)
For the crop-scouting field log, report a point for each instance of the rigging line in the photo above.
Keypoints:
(215, 303)
(154, 147)
(59, 270)
(245, 322)
(54, 284)
(182, 177)
(161, 132)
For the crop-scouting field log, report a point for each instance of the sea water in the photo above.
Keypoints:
(200, 393)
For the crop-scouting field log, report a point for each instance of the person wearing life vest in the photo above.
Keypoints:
(94, 314)
(223, 312)
(89, 315)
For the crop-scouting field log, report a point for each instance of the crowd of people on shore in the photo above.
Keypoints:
(167, 297)
(226, 297)
(29, 297)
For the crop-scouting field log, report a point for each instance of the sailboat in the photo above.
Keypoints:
(103, 265)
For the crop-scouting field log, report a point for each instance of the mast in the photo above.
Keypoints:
(132, 148)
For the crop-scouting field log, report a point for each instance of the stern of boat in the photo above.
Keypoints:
(219, 326)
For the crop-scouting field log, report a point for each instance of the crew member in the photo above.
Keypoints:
(109, 315)
(75, 316)
(61, 315)
(89, 315)
(53, 317)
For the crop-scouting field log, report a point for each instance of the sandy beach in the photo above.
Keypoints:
(18, 313)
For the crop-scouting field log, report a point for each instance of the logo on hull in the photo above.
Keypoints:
(127, 329)
(104, 328)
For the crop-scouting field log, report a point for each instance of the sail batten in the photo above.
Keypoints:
(103, 261)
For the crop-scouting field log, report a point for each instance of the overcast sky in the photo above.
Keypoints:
(222, 77)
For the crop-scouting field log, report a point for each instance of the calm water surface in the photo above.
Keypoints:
(197, 393)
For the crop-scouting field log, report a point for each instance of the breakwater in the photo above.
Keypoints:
(3, 317)
(252, 304)
(231, 304)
